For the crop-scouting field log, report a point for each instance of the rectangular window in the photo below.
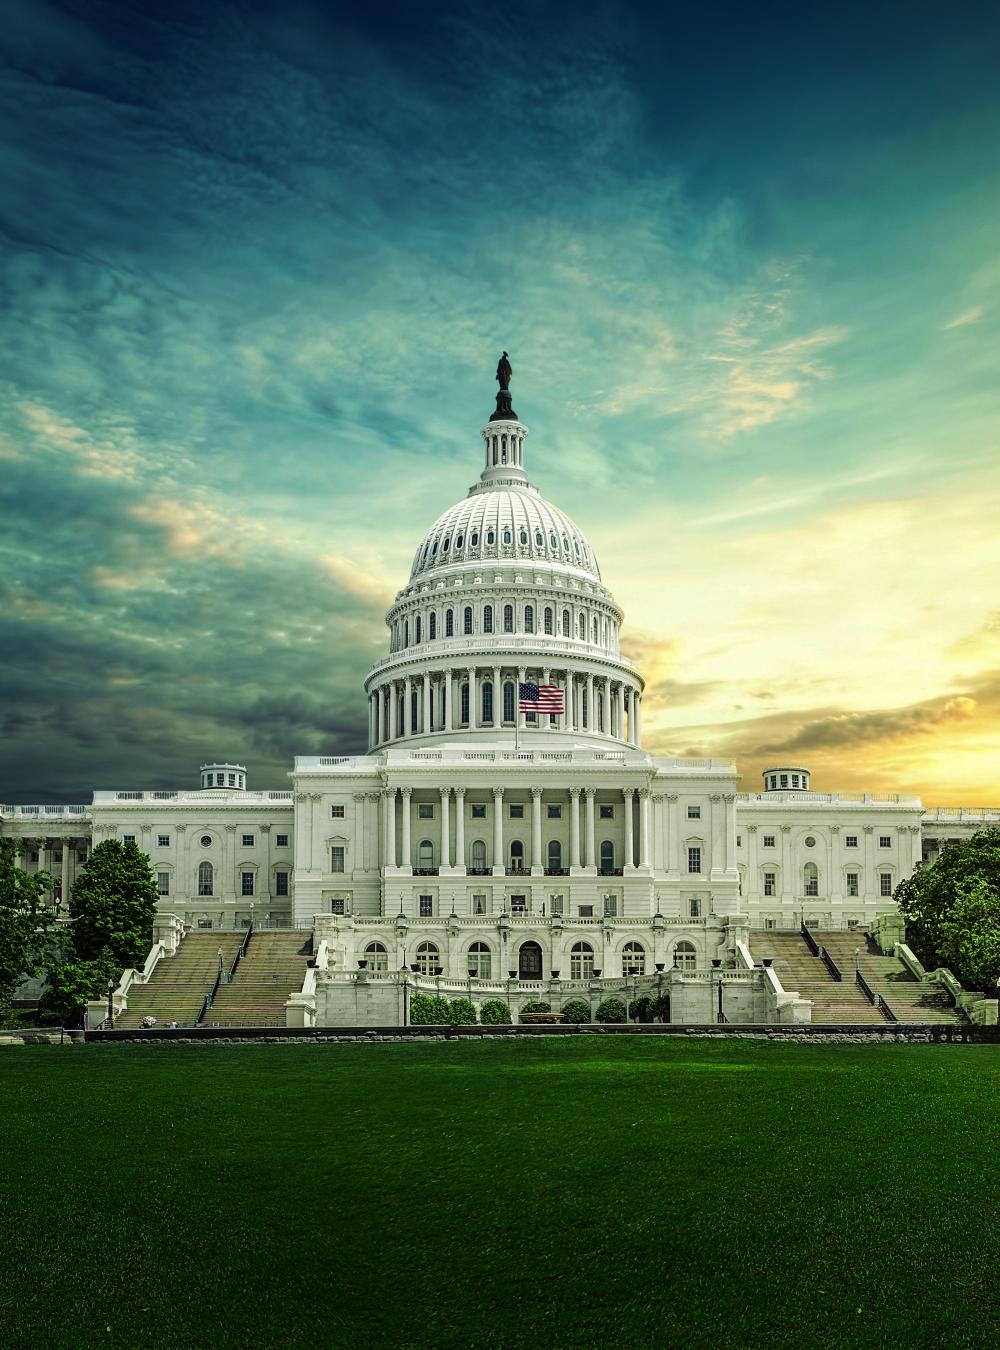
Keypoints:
(769, 840)
(80, 857)
(338, 906)
(795, 780)
(425, 810)
(163, 841)
(610, 906)
(852, 883)
(784, 780)
(281, 883)
(850, 841)
(769, 880)
(479, 904)
(337, 812)
(586, 911)
(694, 908)
(163, 883)
(247, 881)
(281, 840)
(607, 812)
(426, 906)
(885, 841)
(516, 811)
(555, 813)
(694, 813)
(739, 841)
(770, 923)
(694, 859)
(128, 838)
(556, 904)
(518, 904)
(204, 923)
(337, 858)
(248, 841)
(232, 780)
(478, 810)
(885, 884)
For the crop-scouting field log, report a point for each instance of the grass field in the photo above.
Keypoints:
(542, 1193)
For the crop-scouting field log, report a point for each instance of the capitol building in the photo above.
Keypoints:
(483, 848)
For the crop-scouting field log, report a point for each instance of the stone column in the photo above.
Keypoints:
(43, 856)
(389, 805)
(755, 883)
(445, 827)
(867, 888)
(408, 727)
(546, 723)
(522, 675)
(406, 862)
(448, 723)
(789, 883)
(536, 831)
(622, 696)
(607, 707)
(590, 721)
(428, 716)
(643, 826)
(716, 836)
(574, 827)
(498, 858)
(393, 711)
(460, 828)
(674, 861)
(637, 714)
(591, 845)
(629, 796)
(569, 684)
(473, 699)
(64, 893)
(229, 873)
(834, 876)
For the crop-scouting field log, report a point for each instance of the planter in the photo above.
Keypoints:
(542, 1017)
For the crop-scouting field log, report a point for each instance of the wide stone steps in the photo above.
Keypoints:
(178, 1004)
(912, 1000)
(273, 968)
(801, 972)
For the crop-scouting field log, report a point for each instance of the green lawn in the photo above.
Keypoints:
(617, 1192)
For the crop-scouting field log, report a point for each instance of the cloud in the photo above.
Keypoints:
(967, 316)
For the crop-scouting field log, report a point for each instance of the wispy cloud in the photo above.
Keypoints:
(971, 315)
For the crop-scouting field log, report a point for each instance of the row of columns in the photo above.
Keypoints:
(439, 692)
(536, 861)
(46, 848)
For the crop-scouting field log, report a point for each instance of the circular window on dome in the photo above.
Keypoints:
(474, 539)
(490, 538)
(459, 540)
(206, 841)
(524, 536)
(810, 841)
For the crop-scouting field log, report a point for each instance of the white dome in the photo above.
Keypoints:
(514, 522)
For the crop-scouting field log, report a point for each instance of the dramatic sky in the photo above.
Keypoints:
(258, 261)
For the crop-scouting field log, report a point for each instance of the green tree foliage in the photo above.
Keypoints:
(641, 1009)
(72, 984)
(660, 1008)
(952, 910)
(494, 1013)
(576, 1010)
(113, 904)
(611, 1010)
(429, 1010)
(463, 1012)
(536, 1006)
(28, 932)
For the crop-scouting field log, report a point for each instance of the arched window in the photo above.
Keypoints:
(447, 541)
(490, 538)
(508, 701)
(467, 620)
(633, 959)
(406, 633)
(810, 879)
(417, 634)
(413, 713)
(205, 878)
(684, 956)
(487, 618)
(523, 537)
(478, 855)
(581, 961)
(583, 628)
(539, 539)
(428, 958)
(529, 618)
(565, 623)
(487, 701)
(555, 855)
(595, 630)
(547, 619)
(508, 538)
(516, 856)
(377, 958)
(508, 618)
(553, 541)
(459, 540)
(607, 855)
(425, 855)
(449, 623)
(432, 626)
(465, 703)
(480, 965)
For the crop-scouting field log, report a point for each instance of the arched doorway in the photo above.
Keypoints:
(529, 961)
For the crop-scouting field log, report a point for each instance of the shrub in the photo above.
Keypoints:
(494, 1013)
(536, 1007)
(641, 1009)
(429, 1010)
(611, 1010)
(660, 1008)
(576, 1010)
(463, 1012)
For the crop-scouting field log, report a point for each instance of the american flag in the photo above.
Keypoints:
(541, 698)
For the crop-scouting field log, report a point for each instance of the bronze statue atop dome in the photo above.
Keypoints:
(504, 372)
(504, 412)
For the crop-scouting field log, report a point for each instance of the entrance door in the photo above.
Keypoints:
(529, 961)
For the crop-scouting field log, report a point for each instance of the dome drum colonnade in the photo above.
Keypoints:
(506, 573)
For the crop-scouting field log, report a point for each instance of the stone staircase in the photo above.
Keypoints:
(799, 970)
(274, 967)
(180, 982)
(912, 1000)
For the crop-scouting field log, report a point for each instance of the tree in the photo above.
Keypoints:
(28, 932)
(611, 1010)
(494, 1013)
(576, 1010)
(113, 904)
(72, 984)
(952, 910)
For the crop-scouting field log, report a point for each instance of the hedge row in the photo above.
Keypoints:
(431, 1009)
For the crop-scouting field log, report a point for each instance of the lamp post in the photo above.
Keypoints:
(717, 967)
(111, 1004)
(660, 967)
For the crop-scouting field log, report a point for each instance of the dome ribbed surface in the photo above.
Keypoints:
(501, 523)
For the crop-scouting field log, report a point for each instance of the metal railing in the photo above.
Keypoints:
(831, 965)
(810, 941)
(865, 987)
(241, 951)
(886, 1011)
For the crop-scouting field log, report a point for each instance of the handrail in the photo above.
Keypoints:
(865, 986)
(811, 942)
(830, 964)
(210, 997)
(241, 951)
(886, 1011)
